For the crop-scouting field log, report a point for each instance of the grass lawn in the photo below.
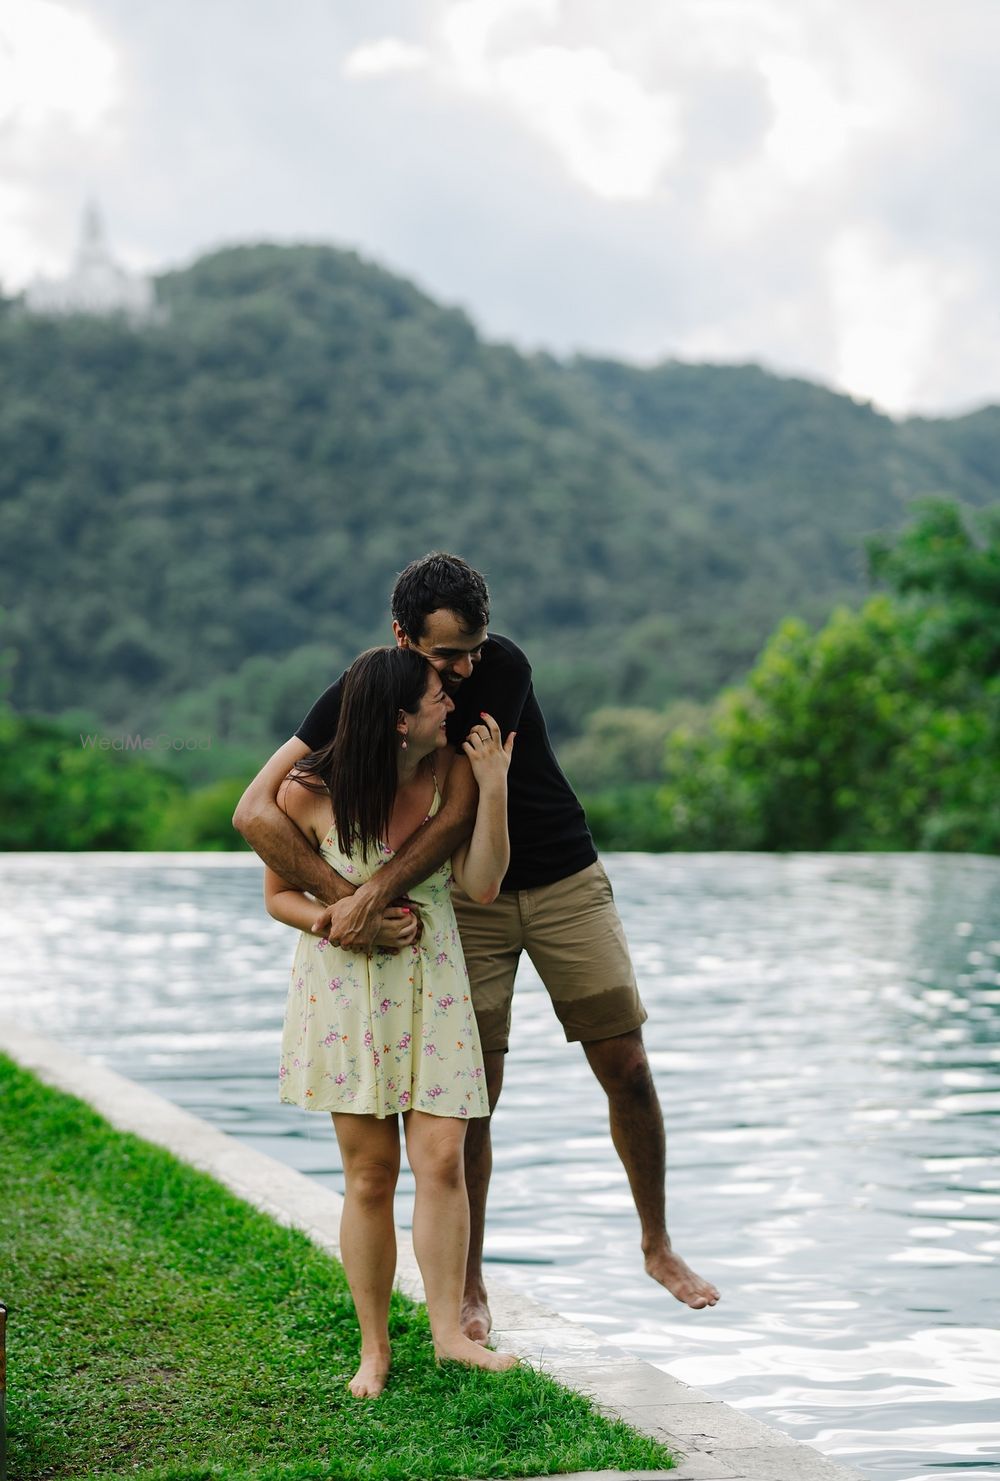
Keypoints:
(162, 1329)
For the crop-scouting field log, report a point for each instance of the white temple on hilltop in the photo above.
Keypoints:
(96, 284)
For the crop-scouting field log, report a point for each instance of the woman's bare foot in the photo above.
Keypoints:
(373, 1370)
(461, 1349)
(679, 1279)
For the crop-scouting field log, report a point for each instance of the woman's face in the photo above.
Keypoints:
(425, 730)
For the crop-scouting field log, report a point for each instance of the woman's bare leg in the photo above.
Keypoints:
(435, 1147)
(370, 1152)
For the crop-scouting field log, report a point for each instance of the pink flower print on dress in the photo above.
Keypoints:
(404, 1098)
(369, 1041)
(404, 1042)
(384, 1007)
(331, 1038)
(322, 943)
(446, 1002)
(429, 1049)
(282, 1071)
(441, 958)
(335, 982)
(435, 1092)
(339, 1079)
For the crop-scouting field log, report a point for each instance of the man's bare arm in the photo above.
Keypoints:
(353, 922)
(275, 838)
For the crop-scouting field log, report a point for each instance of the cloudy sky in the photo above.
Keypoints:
(811, 184)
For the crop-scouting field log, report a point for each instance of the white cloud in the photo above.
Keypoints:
(54, 66)
(890, 307)
(385, 58)
(60, 89)
(812, 124)
(803, 184)
(474, 30)
(614, 137)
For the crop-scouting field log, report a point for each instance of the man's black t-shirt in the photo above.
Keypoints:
(549, 837)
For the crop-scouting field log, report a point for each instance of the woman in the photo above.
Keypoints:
(370, 1037)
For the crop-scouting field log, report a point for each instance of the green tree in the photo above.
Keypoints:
(621, 746)
(882, 730)
(58, 793)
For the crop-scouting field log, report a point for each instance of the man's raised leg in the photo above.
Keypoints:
(476, 1319)
(622, 1068)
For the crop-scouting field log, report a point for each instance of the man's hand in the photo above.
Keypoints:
(356, 923)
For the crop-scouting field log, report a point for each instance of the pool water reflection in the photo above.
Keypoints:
(823, 1032)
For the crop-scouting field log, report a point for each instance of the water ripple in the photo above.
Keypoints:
(823, 1031)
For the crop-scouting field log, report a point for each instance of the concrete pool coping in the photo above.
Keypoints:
(711, 1440)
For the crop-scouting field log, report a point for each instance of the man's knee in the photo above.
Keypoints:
(621, 1065)
(494, 1060)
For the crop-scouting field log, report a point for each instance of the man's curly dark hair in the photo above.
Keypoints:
(435, 581)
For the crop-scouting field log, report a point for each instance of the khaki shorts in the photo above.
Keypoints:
(572, 933)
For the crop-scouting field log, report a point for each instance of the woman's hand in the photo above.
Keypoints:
(488, 755)
(481, 864)
(401, 926)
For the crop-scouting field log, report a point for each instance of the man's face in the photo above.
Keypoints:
(447, 645)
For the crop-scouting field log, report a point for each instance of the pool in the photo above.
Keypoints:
(824, 1035)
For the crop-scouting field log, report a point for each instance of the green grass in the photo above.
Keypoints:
(162, 1329)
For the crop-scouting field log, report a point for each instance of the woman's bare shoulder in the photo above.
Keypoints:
(305, 804)
(442, 764)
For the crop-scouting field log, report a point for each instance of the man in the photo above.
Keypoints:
(556, 903)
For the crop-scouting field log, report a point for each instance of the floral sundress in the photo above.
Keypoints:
(388, 1032)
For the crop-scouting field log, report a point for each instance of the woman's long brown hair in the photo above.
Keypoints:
(358, 767)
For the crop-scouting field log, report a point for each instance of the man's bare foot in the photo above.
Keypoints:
(476, 1319)
(462, 1350)
(373, 1370)
(678, 1277)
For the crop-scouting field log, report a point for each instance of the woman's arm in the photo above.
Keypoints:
(269, 827)
(396, 926)
(353, 922)
(285, 903)
(282, 898)
(481, 864)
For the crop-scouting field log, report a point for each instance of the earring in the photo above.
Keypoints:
(402, 744)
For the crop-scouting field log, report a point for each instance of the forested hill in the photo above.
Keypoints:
(203, 517)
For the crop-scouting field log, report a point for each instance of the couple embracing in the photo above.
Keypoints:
(419, 834)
